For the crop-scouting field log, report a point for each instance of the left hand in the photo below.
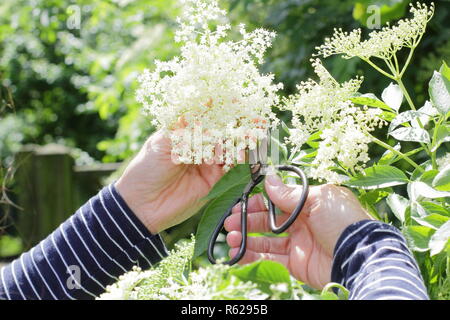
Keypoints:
(160, 192)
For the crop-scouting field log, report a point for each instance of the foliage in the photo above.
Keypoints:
(174, 279)
(76, 85)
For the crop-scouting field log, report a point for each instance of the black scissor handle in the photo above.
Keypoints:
(272, 216)
(243, 200)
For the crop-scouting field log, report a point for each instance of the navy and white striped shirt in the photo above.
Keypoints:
(104, 239)
(100, 242)
(373, 262)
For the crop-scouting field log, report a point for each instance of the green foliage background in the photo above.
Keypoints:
(76, 85)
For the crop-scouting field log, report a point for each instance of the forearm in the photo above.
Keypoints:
(373, 262)
(101, 241)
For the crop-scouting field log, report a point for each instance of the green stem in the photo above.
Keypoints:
(397, 67)
(373, 65)
(400, 154)
(407, 96)
(409, 153)
(413, 107)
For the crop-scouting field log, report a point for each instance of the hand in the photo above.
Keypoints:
(161, 192)
(308, 249)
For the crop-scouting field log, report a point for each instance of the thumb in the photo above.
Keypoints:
(283, 196)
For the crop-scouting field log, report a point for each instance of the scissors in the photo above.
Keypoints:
(258, 169)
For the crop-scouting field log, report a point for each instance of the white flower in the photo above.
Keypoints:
(213, 93)
(382, 43)
(325, 107)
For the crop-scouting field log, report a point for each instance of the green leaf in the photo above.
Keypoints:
(411, 134)
(434, 221)
(445, 70)
(398, 205)
(426, 166)
(388, 116)
(442, 180)
(264, 273)
(211, 216)
(404, 117)
(378, 177)
(439, 90)
(370, 100)
(433, 208)
(419, 189)
(419, 236)
(442, 135)
(428, 176)
(237, 176)
(439, 239)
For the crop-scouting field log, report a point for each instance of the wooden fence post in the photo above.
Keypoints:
(45, 190)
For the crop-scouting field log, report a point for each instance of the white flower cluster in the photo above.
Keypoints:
(213, 93)
(344, 128)
(382, 43)
(168, 282)
(208, 283)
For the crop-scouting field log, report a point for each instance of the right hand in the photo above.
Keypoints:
(308, 249)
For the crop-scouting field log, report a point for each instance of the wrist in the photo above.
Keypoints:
(143, 210)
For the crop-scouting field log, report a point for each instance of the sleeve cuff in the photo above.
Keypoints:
(354, 236)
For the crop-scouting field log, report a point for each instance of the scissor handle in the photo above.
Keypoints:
(298, 208)
(243, 200)
(212, 240)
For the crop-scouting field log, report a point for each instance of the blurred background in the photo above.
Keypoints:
(69, 120)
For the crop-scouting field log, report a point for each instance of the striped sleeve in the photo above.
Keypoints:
(101, 241)
(372, 260)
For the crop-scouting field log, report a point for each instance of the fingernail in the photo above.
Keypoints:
(274, 180)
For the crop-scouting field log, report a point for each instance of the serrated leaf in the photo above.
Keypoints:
(442, 135)
(433, 208)
(428, 176)
(411, 134)
(445, 70)
(398, 205)
(419, 237)
(370, 100)
(439, 90)
(378, 177)
(418, 189)
(264, 273)
(238, 175)
(403, 117)
(441, 181)
(439, 239)
(434, 221)
(211, 216)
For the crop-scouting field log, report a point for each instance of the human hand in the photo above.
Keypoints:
(308, 249)
(161, 192)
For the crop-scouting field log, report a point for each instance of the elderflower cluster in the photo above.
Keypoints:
(209, 283)
(213, 93)
(344, 128)
(382, 43)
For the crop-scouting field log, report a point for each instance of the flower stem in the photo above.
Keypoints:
(400, 154)
(413, 107)
(407, 96)
(373, 65)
